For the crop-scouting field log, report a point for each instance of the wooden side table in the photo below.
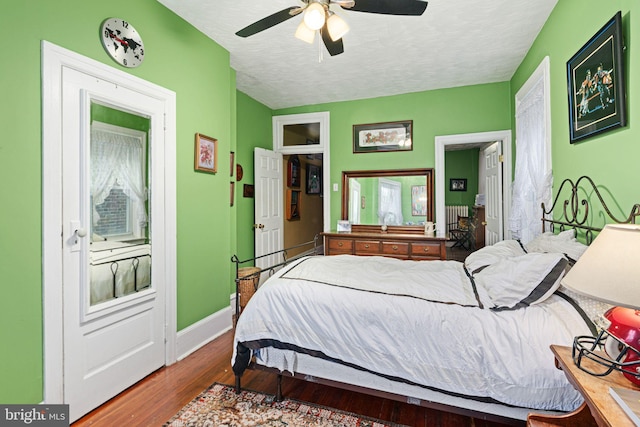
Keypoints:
(599, 408)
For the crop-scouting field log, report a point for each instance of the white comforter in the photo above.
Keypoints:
(376, 316)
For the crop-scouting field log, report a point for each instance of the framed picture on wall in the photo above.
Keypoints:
(419, 200)
(458, 184)
(314, 179)
(388, 136)
(206, 154)
(596, 84)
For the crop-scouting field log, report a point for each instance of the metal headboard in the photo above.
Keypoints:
(576, 209)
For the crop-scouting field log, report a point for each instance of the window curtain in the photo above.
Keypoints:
(533, 179)
(389, 203)
(118, 160)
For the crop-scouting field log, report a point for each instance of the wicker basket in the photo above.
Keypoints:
(249, 278)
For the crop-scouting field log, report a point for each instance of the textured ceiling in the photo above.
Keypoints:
(454, 43)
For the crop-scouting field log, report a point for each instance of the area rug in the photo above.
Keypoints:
(220, 406)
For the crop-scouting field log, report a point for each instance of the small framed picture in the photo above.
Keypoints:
(206, 154)
(248, 190)
(419, 200)
(232, 157)
(314, 179)
(458, 184)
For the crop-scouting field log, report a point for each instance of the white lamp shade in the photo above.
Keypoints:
(314, 16)
(337, 27)
(304, 33)
(609, 270)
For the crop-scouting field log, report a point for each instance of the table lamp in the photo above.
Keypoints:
(609, 271)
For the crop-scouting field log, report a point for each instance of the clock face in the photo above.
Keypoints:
(122, 42)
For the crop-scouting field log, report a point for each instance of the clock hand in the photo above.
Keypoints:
(122, 42)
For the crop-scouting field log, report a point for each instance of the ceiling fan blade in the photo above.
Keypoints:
(269, 21)
(391, 7)
(334, 47)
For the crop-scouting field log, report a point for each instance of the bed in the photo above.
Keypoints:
(117, 269)
(471, 338)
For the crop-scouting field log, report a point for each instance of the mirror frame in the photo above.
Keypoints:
(375, 228)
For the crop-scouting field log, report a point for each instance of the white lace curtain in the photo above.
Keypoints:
(533, 179)
(118, 160)
(389, 202)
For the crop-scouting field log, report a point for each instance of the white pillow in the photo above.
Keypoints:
(521, 281)
(564, 243)
(488, 255)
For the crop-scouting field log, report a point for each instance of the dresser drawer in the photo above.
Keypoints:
(427, 250)
(395, 249)
(340, 246)
(367, 247)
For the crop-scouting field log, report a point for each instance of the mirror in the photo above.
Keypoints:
(120, 248)
(401, 199)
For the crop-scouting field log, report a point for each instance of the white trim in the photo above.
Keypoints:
(54, 59)
(542, 72)
(204, 331)
(278, 123)
(504, 137)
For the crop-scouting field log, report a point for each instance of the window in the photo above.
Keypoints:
(118, 183)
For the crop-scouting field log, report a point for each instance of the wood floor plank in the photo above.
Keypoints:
(155, 399)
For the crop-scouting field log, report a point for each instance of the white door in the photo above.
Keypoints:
(493, 189)
(269, 218)
(114, 341)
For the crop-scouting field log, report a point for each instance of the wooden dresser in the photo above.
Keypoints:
(402, 246)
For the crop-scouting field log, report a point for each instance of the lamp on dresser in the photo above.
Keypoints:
(609, 271)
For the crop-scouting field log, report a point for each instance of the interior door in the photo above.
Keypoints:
(269, 205)
(112, 342)
(493, 189)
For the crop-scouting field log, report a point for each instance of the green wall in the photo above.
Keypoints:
(253, 130)
(179, 58)
(460, 110)
(611, 159)
(461, 164)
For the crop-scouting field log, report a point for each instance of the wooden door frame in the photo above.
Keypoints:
(54, 59)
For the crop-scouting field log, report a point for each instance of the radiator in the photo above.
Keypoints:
(452, 215)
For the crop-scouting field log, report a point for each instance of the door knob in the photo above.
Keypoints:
(484, 223)
(260, 226)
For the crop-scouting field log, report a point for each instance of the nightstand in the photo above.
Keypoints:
(599, 408)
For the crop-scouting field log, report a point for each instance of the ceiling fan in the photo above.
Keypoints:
(318, 17)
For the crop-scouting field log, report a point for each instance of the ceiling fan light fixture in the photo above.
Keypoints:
(304, 33)
(336, 26)
(314, 16)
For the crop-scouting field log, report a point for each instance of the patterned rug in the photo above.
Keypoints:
(220, 406)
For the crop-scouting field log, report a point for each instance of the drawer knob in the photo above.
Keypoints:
(394, 247)
(426, 249)
(340, 244)
(366, 246)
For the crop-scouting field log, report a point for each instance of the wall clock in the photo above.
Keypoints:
(122, 42)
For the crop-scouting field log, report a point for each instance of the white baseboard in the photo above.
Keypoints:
(206, 330)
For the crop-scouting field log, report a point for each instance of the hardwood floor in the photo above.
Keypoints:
(162, 394)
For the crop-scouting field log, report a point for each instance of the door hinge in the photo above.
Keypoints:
(501, 158)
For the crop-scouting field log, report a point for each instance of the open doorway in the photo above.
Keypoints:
(495, 187)
(301, 151)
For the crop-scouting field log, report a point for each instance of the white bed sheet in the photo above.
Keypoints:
(504, 356)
